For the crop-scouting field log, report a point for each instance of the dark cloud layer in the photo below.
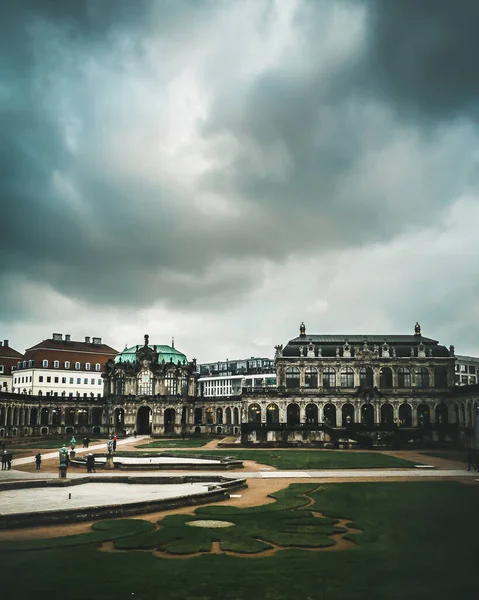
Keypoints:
(307, 154)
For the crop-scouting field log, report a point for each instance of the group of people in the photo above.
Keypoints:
(7, 458)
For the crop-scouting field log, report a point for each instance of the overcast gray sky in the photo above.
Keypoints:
(221, 170)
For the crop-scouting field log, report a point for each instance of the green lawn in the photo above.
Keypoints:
(46, 444)
(298, 460)
(178, 443)
(458, 455)
(420, 541)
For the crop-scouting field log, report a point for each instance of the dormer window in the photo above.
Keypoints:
(97, 367)
(56, 364)
(67, 364)
(87, 366)
(45, 364)
(77, 366)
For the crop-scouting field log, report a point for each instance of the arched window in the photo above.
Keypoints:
(198, 416)
(292, 414)
(422, 378)
(87, 366)
(329, 377)
(366, 377)
(404, 377)
(292, 378)
(386, 378)
(209, 416)
(311, 377)
(272, 413)
(170, 383)
(387, 414)
(405, 415)
(442, 416)
(347, 414)
(145, 383)
(67, 364)
(228, 415)
(254, 413)
(44, 363)
(184, 385)
(367, 414)
(219, 416)
(120, 386)
(311, 414)
(423, 415)
(97, 367)
(347, 377)
(329, 414)
(56, 364)
(77, 366)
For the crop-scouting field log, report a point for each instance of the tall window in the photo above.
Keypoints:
(184, 385)
(67, 364)
(97, 367)
(311, 377)
(77, 365)
(329, 377)
(422, 378)
(87, 366)
(170, 383)
(145, 383)
(292, 377)
(120, 386)
(56, 364)
(404, 377)
(45, 363)
(347, 377)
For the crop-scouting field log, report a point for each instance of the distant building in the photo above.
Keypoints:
(63, 367)
(237, 367)
(467, 370)
(8, 362)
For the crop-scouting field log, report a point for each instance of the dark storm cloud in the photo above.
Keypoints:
(316, 159)
(423, 54)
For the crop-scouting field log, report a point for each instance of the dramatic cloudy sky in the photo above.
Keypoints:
(220, 170)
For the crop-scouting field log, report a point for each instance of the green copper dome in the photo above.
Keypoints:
(165, 353)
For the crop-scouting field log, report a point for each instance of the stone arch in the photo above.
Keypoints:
(210, 415)
(198, 416)
(387, 414)
(329, 414)
(144, 419)
(462, 414)
(272, 413)
(367, 414)
(44, 416)
(293, 414)
(96, 415)
(228, 415)
(70, 416)
(385, 378)
(423, 414)
(311, 414)
(442, 416)
(56, 417)
(33, 417)
(119, 420)
(347, 414)
(254, 413)
(82, 417)
(219, 416)
(236, 415)
(405, 415)
(169, 418)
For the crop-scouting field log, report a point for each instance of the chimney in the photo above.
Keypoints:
(87, 340)
(97, 341)
(57, 337)
(67, 337)
(5, 343)
(1, 343)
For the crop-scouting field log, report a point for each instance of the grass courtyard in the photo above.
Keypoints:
(297, 460)
(418, 540)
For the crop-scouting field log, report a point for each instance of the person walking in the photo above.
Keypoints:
(114, 443)
(87, 442)
(9, 459)
(4, 460)
(38, 461)
(90, 463)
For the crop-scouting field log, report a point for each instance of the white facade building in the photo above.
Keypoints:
(467, 370)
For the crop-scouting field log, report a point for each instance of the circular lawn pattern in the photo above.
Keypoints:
(210, 523)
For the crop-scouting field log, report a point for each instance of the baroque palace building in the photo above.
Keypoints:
(330, 388)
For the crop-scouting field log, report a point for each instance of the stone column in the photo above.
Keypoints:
(356, 376)
(395, 377)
